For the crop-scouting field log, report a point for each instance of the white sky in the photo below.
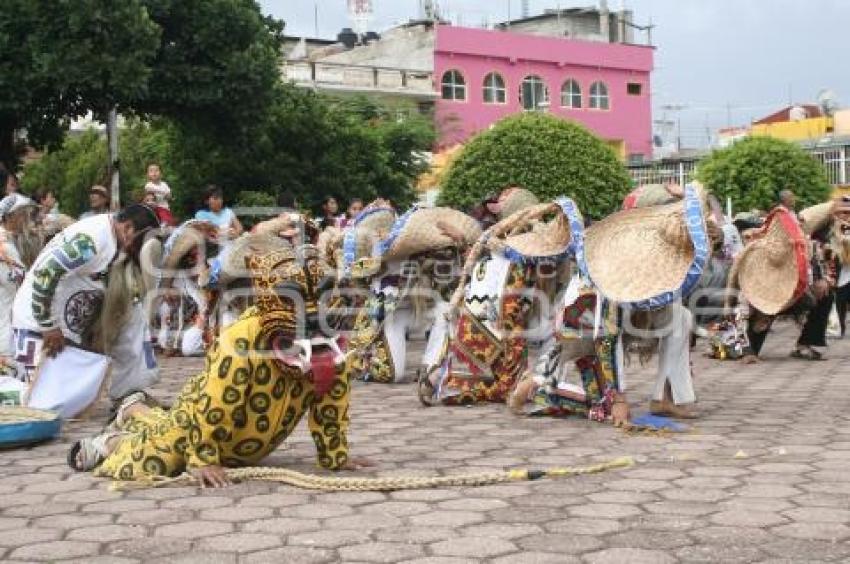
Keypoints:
(754, 55)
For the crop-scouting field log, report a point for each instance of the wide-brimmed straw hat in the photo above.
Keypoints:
(514, 199)
(646, 258)
(815, 218)
(648, 195)
(417, 232)
(360, 256)
(13, 203)
(772, 270)
(229, 266)
(546, 239)
(186, 238)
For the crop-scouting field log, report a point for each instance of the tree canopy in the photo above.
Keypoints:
(550, 156)
(208, 64)
(754, 170)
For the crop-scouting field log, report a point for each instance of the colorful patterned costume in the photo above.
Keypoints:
(253, 390)
(489, 351)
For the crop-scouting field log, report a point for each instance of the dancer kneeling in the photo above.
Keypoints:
(255, 388)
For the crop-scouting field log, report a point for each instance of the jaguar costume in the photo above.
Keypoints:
(254, 389)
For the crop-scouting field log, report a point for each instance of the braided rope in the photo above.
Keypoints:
(367, 484)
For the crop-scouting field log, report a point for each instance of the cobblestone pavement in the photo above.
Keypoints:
(784, 497)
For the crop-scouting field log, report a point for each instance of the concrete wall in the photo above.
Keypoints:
(477, 52)
(802, 130)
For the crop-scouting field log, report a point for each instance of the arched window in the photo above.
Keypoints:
(533, 93)
(454, 86)
(599, 96)
(570, 94)
(494, 89)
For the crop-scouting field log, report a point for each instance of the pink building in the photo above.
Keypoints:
(484, 75)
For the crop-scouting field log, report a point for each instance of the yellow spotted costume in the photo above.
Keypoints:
(245, 403)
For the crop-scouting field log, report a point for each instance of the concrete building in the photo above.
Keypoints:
(580, 64)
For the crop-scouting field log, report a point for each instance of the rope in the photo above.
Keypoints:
(367, 484)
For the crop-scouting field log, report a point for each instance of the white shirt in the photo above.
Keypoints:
(65, 286)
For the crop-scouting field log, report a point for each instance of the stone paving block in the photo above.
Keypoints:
(41, 509)
(155, 517)
(744, 518)
(622, 497)
(473, 547)
(12, 522)
(380, 552)
(630, 555)
(806, 550)
(274, 500)
(502, 531)
(198, 502)
(108, 533)
(352, 498)
(120, 506)
(439, 560)
(694, 509)
(239, 542)
(193, 529)
(281, 525)
(720, 553)
(580, 526)
(24, 499)
(604, 510)
(149, 547)
(833, 532)
(447, 518)
(237, 514)
(472, 504)
(414, 535)
(48, 551)
(562, 544)
(329, 539)
(397, 508)
(19, 537)
(761, 504)
(768, 490)
(290, 555)
(197, 558)
(364, 521)
(101, 560)
(318, 510)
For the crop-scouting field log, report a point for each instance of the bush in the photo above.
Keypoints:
(547, 155)
(754, 170)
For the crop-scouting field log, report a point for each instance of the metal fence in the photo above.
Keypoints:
(835, 160)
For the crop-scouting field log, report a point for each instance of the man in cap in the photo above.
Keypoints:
(98, 201)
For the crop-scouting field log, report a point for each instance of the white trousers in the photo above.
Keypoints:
(674, 353)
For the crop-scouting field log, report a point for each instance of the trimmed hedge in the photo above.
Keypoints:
(550, 156)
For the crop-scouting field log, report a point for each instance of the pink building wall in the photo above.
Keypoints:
(477, 52)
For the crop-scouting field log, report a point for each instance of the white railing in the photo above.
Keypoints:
(835, 161)
(359, 77)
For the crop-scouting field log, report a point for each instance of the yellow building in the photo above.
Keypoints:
(800, 130)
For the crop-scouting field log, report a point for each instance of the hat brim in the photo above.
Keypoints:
(417, 232)
(646, 258)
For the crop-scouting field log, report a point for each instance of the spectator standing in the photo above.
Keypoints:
(98, 201)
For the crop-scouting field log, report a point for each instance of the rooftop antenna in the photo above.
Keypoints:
(828, 101)
(360, 12)
(526, 8)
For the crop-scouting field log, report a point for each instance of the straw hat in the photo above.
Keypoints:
(361, 239)
(183, 240)
(546, 240)
(815, 218)
(772, 270)
(648, 257)
(648, 195)
(229, 266)
(514, 199)
(417, 232)
(13, 203)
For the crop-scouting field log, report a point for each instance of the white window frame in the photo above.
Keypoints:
(597, 98)
(537, 106)
(454, 80)
(495, 86)
(567, 96)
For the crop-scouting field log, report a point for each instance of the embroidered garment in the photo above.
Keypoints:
(65, 286)
(488, 352)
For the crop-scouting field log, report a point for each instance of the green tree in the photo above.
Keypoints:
(547, 155)
(210, 65)
(754, 170)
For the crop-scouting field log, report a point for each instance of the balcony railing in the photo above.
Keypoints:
(363, 78)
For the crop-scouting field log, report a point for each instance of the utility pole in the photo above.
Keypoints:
(112, 137)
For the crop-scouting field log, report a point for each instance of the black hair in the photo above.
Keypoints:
(286, 199)
(213, 191)
(141, 216)
(4, 177)
(355, 201)
(41, 194)
(327, 199)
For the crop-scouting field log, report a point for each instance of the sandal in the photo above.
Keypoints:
(87, 454)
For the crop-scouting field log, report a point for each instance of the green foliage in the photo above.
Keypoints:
(81, 162)
(547, 155)
(211, 65)
(755, 169)
(307, 144)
